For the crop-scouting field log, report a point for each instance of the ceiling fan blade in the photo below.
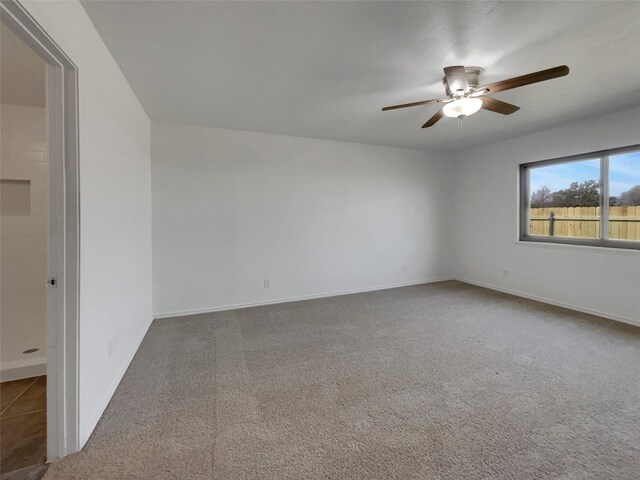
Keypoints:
(498, 106)
(433, 119)
(456, 78)
(527, 79)
(413, 104)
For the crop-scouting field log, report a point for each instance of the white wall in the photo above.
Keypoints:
(23, 244)
(115, 199)
(603, 281)
(231, 208)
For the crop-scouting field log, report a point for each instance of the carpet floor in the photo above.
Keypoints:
(439, 381)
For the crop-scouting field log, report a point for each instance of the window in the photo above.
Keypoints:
(590, 199)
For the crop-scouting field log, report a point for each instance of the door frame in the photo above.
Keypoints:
(64, 231)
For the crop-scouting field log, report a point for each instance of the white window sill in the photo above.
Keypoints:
(579, 248)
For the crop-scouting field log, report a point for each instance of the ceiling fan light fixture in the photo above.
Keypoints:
(463, 94)
(462, 107)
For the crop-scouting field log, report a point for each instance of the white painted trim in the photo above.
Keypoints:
(580, 248)
(236, 306)
(26, 368)
(55, 324)
(91, 425)
(568, 306)
(516, 293)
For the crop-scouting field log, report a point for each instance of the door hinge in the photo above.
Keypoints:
(52, 282)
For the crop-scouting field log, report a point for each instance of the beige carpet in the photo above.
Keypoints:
(441, 381)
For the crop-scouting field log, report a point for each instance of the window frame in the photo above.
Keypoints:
(603, 241)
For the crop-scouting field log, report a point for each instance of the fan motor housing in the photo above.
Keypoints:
(473, 77)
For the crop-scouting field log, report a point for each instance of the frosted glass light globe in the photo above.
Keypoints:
(463, 107)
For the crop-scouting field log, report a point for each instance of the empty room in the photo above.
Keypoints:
(320, 240)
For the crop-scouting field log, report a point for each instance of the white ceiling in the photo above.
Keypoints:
(325, 69)
(22, 72)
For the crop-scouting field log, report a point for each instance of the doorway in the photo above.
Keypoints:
(39, 245)
(24, 209)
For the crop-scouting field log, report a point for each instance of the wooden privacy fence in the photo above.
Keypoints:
(624, 222)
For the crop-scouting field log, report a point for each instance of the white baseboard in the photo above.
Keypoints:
(184, 313)
(87, 430)
(32, 367)
(548, 301)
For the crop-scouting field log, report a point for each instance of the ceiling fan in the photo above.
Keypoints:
(466, 97)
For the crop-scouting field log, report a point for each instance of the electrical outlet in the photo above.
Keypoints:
(267, 283)
(404, 268)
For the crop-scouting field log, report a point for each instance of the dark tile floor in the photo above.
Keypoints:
(23, 428)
